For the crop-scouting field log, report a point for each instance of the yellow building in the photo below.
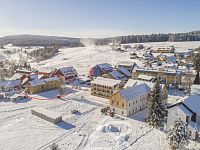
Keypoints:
(166, 49)
(37, 86)
(104, 87)
(131, 100)
(170, 76)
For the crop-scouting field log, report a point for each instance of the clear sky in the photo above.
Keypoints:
(98, 18)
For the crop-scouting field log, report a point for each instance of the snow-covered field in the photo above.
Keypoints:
(88, 129)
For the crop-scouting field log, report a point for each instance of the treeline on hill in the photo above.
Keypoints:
(37, 40)
(178, 37)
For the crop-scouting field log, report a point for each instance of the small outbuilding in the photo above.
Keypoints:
(46, 114)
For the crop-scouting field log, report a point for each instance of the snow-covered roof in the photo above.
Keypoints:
(16, 76)
(117, 75)
(37, 82)
(125, 71)
(105, 66)
(51, 79)
(47, 112)
(33, 76)
(195, 88)
(133, 93)
(132, 82)
(106, 81)
(185, 110)
(9, 83)
(68, 70)
(125, 63)
(193, 102)
(145, 77)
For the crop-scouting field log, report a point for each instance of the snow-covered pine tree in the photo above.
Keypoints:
(156, 108)
(178, 136)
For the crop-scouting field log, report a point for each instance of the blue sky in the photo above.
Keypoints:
(98, 18)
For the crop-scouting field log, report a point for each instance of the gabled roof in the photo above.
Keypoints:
(51, 79)
(193, 102)
(106, 81)
(117, 75)
(146, 77)
(9, 83)
(37, 82)
(125, 71)
(67, 70)
(105, 66)
(133, 93)
(132, 82)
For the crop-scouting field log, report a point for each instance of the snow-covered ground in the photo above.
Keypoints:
(88, 129)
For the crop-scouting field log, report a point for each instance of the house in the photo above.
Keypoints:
(125, 72)
(148, 56)
(115, 75)
(104, 87)
(169, 49)
(131, 100)
(163, 88)
(9, 85)
(170, 76)
(68, 73)
(146, 78)
(100, 69)
(41, 85)
(187, 110)
(133, 55)
(126, 64)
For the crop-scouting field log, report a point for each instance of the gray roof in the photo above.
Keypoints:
(133, 93)
(193, 102)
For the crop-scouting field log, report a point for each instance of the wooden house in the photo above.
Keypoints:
(68, 73)
(100, 69)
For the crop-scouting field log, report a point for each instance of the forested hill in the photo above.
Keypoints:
(39, 40)
(178, 37)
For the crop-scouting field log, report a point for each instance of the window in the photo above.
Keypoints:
(113, 109)
(136, 101)
(117, 103)
(122, 104)
(129, 104)
(133, 103)
(122, 112)
(112, 102)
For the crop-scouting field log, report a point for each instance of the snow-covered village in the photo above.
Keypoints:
(120, 91)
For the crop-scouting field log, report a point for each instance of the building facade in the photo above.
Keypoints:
(129, 101)
(104, 87)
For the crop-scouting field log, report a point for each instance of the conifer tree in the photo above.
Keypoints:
(156, 108)
(178, 136)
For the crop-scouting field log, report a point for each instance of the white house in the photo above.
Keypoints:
(187, 110)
